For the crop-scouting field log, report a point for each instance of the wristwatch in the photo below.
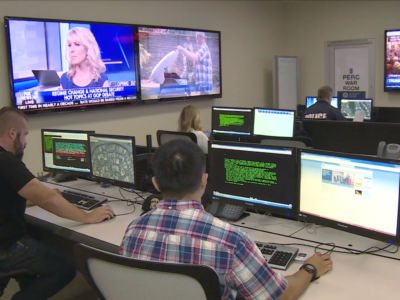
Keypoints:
(310, 269)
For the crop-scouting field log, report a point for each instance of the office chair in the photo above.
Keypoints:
(5, 276)
(121, 278)
(164, 136)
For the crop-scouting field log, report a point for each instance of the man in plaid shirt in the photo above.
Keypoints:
(179, 230)
(202, 59)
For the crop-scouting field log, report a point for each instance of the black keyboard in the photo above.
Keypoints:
(277, 256)
(83, 201)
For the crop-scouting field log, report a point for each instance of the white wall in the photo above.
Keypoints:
(250, 38)
(310, 24)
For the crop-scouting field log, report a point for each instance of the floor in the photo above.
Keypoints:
(77, 289)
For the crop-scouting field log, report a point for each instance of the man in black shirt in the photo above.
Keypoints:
(323, 109)
(51, 270)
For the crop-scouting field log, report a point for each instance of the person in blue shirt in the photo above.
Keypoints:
(323, 109)
(85, 67)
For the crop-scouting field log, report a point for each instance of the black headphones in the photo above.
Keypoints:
(150, 202)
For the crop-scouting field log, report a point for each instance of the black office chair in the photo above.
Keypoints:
(121, 278)
(5, 277)
(164, 136)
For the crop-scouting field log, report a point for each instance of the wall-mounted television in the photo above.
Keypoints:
(61, 64)
(177, 63)
(392, 60)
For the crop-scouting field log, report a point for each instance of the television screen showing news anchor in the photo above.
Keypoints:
(178, 63)
(62, 64)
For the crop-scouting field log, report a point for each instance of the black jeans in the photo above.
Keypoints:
(52, 270)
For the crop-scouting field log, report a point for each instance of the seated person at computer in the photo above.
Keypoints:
(323, 109)
(85, 67)
(189, 121)
(51, 271)
(179, 230)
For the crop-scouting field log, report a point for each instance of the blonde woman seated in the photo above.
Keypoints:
(189, 121)
(85, 67)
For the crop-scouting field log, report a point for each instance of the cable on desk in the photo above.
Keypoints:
(332, 246)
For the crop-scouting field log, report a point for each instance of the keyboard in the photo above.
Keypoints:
(277, 256)
(83, 201)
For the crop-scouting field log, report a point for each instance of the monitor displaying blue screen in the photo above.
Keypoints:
(273, 122)
(359, 194)
(66, 64)
(310, 100)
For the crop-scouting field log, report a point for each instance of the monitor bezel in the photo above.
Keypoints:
(79, 174)
(281, 212)
(100, 105)
(177, 98)
(310, 218)
(246, 136)
(368, 99)
(260, 136)
(115, 182)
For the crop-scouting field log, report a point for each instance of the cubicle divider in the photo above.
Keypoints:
(350, 137)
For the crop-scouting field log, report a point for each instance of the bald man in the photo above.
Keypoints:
(50, 270)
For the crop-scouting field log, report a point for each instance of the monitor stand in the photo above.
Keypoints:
(61, 177)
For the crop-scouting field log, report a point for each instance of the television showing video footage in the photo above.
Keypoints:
(392, 60)
(67, 64)
(179, 63)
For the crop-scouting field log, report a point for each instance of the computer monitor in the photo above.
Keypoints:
(66, 151)
(254, 176)
(113, 159)
(232, 121)
(277, 123)
(348, 107)
(355, 193)
(310, 100)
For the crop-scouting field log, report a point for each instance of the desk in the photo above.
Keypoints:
(366, 276)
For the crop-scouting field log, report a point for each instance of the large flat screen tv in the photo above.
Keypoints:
(392, 60)
(60, 64)
(178, 63)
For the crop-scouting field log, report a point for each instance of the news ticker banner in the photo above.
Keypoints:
(73, 97)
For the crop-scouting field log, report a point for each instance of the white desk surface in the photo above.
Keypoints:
(366, 276)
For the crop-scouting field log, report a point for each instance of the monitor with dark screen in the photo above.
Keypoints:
(310, 100)
(66, 151)
(253, 175)
(113, 159)
(348, 107)
(270, 122)
(236, 121)
(355, 193)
